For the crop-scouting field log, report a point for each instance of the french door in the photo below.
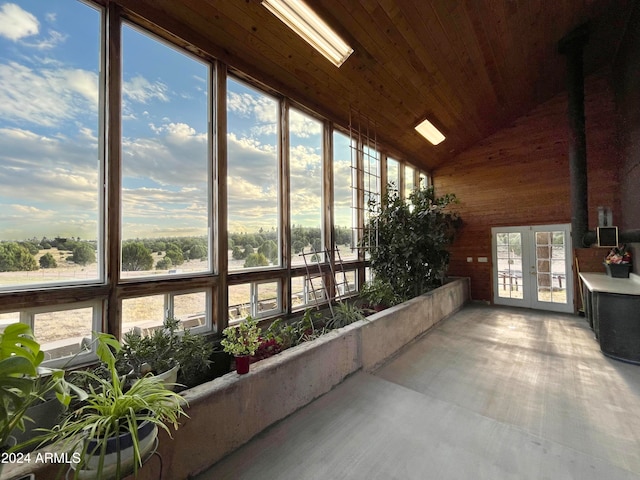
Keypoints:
(532, 267)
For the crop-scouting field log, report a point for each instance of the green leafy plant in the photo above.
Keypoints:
(345, 313)
(109, 411)
(242, 339)
(378, 293)
(165, 348)
(23, 382)
(408, 240)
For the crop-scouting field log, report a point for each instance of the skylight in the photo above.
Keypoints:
(431, 133)
(306, 23)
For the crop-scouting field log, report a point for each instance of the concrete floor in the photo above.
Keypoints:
(490, 393)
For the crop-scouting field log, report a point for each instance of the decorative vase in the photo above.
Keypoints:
(242, 364)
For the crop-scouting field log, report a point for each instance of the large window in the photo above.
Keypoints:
(65, 333)
(256, 299)
(146, 314)
(371, 192)
(344, 210)
(409, 180)
(165, 159)
(50, 147)
(305, 158)
(393, 173)
(252, 177)
(67, 158)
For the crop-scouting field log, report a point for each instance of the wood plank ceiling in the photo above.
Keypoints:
(470, 66)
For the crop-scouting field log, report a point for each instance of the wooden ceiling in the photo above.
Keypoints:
(470, 66)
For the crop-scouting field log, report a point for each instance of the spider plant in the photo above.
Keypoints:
(110, 410)
(344, 313)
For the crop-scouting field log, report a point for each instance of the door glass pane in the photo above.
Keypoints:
(551, 267)
(509, 259)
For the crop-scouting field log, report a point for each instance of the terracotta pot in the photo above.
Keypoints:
(242, 364)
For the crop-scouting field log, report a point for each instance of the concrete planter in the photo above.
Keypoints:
(228, 411)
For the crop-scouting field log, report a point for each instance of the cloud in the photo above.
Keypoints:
(158, 212)
(53, 40)
(46, 96)
(262, 110)
(303, 126)
(16, 23)
(177, 155)
(48, 185)
(141, 90)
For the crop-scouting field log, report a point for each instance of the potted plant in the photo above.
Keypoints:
(618, 262)
(408, 240)
(113, 430)
(175, 357)
(242, 341)
(23, 383)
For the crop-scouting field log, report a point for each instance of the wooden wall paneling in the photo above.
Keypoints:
(519, 176)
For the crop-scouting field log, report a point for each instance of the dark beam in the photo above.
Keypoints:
(572, 46)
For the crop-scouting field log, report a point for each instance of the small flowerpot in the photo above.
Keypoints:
(618, 270)
(221, 363)
(242, 364)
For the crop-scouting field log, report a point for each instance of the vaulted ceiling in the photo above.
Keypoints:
(469, 66)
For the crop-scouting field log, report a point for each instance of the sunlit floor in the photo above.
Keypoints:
(491, 393)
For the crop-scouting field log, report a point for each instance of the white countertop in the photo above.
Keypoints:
(601, 282)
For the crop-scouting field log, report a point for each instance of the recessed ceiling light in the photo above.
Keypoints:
(306, 23)
(431, 133)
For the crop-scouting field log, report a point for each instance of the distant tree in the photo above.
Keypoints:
(48, 261)
(298, 245)
(316, 244)
(32, 247)
(198, 252)
(250, 240)
(45, 245)
(237, 253)
(16, 258)
(256, 260)
(159, 246)
(136, 257)
(83, 254)
(174, 252)
(248, 250)
(164, 264)
(270, 250)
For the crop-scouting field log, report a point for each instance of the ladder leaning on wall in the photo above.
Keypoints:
(314, 270)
